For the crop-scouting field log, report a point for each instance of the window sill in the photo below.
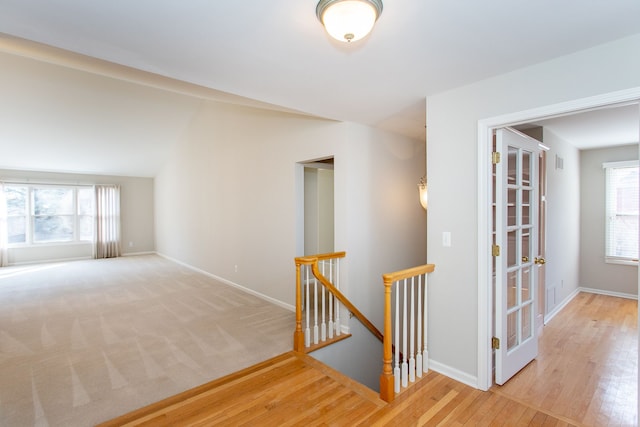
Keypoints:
(621, 261)
(47, 244)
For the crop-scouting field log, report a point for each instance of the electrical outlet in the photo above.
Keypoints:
(235, 268)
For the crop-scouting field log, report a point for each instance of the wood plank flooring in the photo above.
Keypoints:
(585, 376)
(587, 368)
(440, 401)
(295, 390)
(290, 389)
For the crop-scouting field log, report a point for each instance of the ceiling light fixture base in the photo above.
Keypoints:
(348, 20)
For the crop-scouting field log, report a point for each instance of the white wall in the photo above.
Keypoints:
(563, 222)
(594, 272)
(228, 198)
(137, 218)
(452, 165)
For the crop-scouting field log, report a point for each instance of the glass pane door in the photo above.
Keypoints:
(516, 222)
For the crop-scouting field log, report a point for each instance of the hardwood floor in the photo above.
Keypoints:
(440, 401)
(295, 390)
(587, 368)
(585, 376)
(290, 389)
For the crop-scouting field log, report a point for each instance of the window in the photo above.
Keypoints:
(42, 214)
(16, 213)
(621, 212)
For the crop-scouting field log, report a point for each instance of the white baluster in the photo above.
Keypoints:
(419, 322)
(323, 324)
(425, 352)
(396, 339)
(412, 335)
(315, 311)
(307, 331)
(405, 367)
(331, 326)
(337, 285)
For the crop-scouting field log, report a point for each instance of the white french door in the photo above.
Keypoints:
(516, 238)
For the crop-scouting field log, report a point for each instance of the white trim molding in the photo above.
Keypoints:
(485, 129)
(453, 373)
(608, 293)
(235, 285)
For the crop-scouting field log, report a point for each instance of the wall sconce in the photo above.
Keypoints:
(348, 20)
(422, 188)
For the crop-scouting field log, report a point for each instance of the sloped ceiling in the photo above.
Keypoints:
(277, 53)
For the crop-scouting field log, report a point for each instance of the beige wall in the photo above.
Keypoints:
(136, 197)
(563, 223)
(63, 119)
(318, 211)
(594, 272)
(229, 197)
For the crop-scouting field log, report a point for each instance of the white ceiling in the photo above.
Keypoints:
(277, 52)
(616, 125)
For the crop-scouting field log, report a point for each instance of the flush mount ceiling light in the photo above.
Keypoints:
(348, 20)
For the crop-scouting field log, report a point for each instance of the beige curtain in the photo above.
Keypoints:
(4, 255)
(107, 221)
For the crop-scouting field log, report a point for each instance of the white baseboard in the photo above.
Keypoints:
(48, 261)
(608, 293)
(567, 300)
(230, 283)
(453, 373)
(81, 258)
(140, 253)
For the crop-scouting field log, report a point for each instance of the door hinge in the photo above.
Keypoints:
(495, 343)
(495, 157)
(495, 250)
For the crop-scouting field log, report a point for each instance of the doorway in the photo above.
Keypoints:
(485, 139)
(318, 206)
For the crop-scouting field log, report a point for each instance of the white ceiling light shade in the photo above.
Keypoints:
(348, 20)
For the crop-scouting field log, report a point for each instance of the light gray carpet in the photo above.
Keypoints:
(85, 341)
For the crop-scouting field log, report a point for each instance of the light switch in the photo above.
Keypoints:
(446, 238)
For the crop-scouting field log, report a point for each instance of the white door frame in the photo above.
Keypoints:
(485, 129)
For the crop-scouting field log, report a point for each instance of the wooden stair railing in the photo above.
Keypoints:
(414, 328)
(393, 379)
(302, 337)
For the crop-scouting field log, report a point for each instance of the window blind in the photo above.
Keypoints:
(622, 206)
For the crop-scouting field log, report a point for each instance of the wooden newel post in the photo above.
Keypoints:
(298, 334)
(387, 392)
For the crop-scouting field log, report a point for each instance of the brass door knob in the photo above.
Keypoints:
(525, 259)
(540, 261)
